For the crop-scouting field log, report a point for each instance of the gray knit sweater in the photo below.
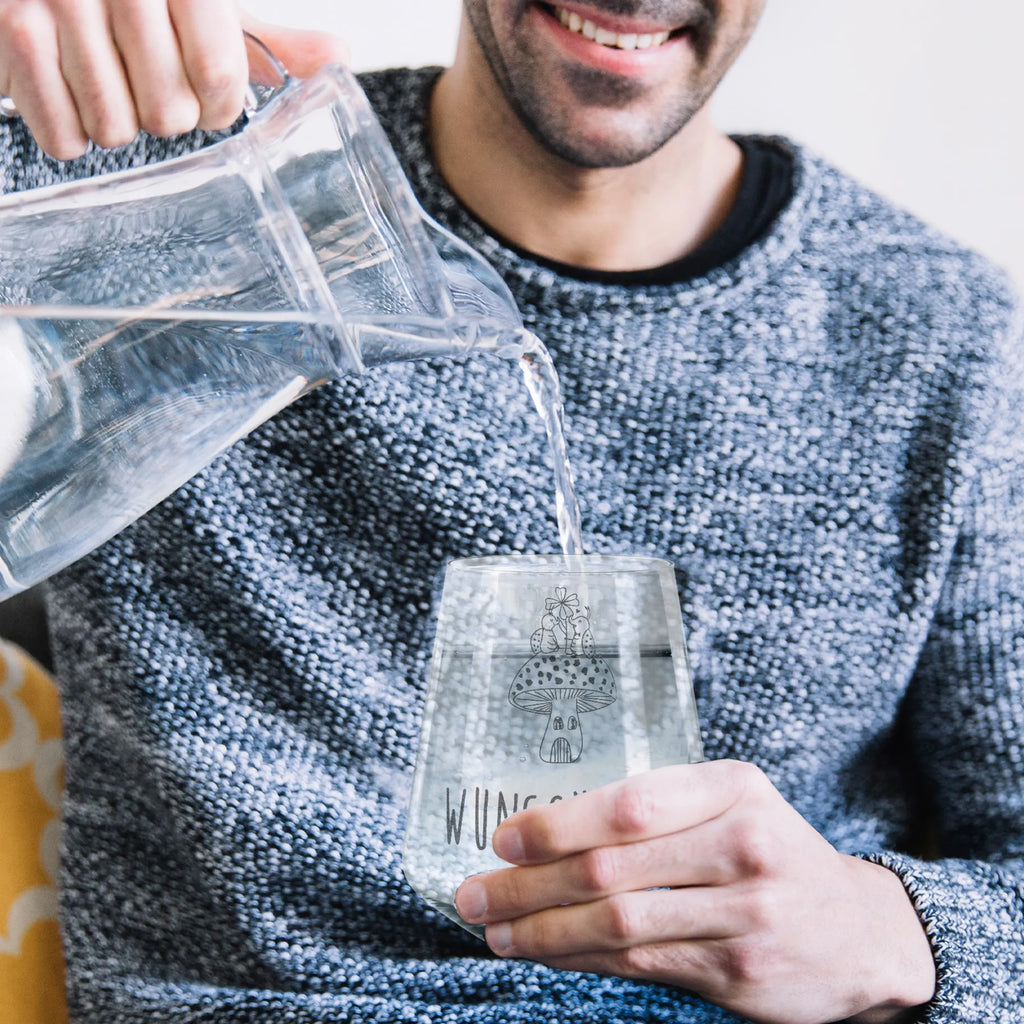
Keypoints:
(825, 435)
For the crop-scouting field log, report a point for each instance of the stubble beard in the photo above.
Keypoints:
(627, 140)
(566, 127)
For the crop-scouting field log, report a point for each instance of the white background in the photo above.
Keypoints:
(919, 98)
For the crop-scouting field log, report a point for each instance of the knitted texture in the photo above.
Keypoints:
(825, 436)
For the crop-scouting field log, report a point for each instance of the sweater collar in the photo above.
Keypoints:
(404, 112)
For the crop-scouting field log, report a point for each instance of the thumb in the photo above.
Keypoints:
(301, 51)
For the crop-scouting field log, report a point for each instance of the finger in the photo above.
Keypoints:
(692, 857)
(645, 806)
(165, 103)
(213, 51)
(689, 965)
(96, 78)
(31, 75)
(620, 922)
(701, 966)
(301, 51)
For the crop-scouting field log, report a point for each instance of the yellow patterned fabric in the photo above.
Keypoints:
(31, 776)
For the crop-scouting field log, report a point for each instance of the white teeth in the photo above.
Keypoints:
(624, 41)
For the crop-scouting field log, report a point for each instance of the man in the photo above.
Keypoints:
(805, 398)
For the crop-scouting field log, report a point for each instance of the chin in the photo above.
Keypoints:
(599, 135)
(604, 149)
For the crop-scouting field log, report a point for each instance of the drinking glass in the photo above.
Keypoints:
(550, 676)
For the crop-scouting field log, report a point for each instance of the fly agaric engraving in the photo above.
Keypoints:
(564, 679)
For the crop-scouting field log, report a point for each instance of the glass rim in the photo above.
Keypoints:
(556, 562)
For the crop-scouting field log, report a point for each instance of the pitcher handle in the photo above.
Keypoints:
(266, 65)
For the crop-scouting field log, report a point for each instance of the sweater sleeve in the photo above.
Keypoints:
(966, 715)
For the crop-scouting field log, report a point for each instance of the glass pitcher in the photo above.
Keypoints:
(151, 317)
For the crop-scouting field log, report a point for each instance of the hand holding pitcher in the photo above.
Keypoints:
(101, 71)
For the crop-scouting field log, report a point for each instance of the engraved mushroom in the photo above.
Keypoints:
(563, 683)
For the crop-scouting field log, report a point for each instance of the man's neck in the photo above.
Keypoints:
(622, 218)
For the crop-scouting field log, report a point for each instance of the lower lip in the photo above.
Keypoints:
(606, 58)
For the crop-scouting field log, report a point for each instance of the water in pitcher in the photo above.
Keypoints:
(125, 421)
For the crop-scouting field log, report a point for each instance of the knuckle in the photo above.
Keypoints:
(636, 962)
(623, 919)
(134, 11)
(61, 147)
(219, 118)
(761, 910)
(598, 870)
(24, 27)
(633, 810)
(216, 80)
(105, 125)
(516, 889)
(112, 135)
(755, 848)
(545, 836)
(27, 45)
(534, 936)
(745, 964)
(747, 779)
(169, 119)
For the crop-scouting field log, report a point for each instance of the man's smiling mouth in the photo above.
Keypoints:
(615, 40)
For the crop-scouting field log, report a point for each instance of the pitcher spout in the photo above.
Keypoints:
(477, 291)
(476, 311)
